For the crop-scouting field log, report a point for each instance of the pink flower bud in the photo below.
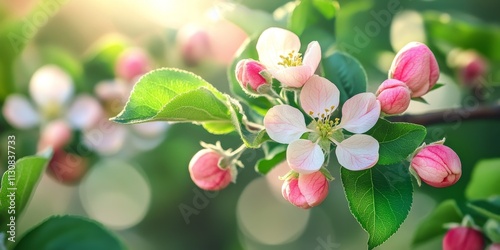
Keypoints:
(416, 66)
(459, 238)
(132, 64)
(66, 167)
(206, 171)
(194, 43)
(306, 191)
(473, 70)
(394, 96)
(437, 165)
(251, 75)
(56, 134)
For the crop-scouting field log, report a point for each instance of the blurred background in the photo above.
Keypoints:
(135, 179)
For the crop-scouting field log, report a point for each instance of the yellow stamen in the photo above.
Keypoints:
(291, 60)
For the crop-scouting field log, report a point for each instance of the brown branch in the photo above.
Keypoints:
(451, 115)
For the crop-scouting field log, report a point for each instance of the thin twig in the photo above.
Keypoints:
(451, 115)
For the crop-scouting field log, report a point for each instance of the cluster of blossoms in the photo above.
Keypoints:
(313, 126)
(60, 115)
(413, 73)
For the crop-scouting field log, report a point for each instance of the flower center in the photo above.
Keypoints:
(291, 60)
(52, 110)
(323, 126)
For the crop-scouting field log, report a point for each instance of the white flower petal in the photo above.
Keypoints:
(85, 112)
(312, 56)
(357, 152)
(319, 95)
(151, 129)
(293, 77)
(19, 112)
(284, 123)
(274, 42)
(106, 138)
(360, 113)
(304, 156)
(51, 85)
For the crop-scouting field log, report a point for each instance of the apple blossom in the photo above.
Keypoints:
(319, 98)
(208, 171)
(305, 190)
(252, 76)
(83, 111)
(394, 96)
(437, 165)
(278, 50)
(463, 238)
(416, 66)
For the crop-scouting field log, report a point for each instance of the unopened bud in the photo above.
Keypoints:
(131, 64)
(206, 170)
(66, 167)
(416, 66)
(253, 76)
(55, 134)
(306, 190)
(394, 96)
(437, 165)
(459, 238)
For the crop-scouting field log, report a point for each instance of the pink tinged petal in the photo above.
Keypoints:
(415, 65)
(55, 134)
(106, 137)
(85, 112)
(312, 56)
(319, 95)
(357, 152)
(437, 165)
(19, 112)
(284, 123)
(360, 113)
(293, 77)
(314, 187)
(394, 96)
(292, 193)
(304, 156)
(51, 85)
(274, 42)
(151, 129)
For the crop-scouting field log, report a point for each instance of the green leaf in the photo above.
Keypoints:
(258, 104)
(346, 73)
(484, 180)
(419, 99)
(69, 232)
(489, 209)
(252, 138)
(437, 86)
(20, 182)
(275, 156)
(326, 7)
(432, 226)
(174, 95)
(299, 18)
(492, 230)
(218, 128)
(397, 140)
(379, 198)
